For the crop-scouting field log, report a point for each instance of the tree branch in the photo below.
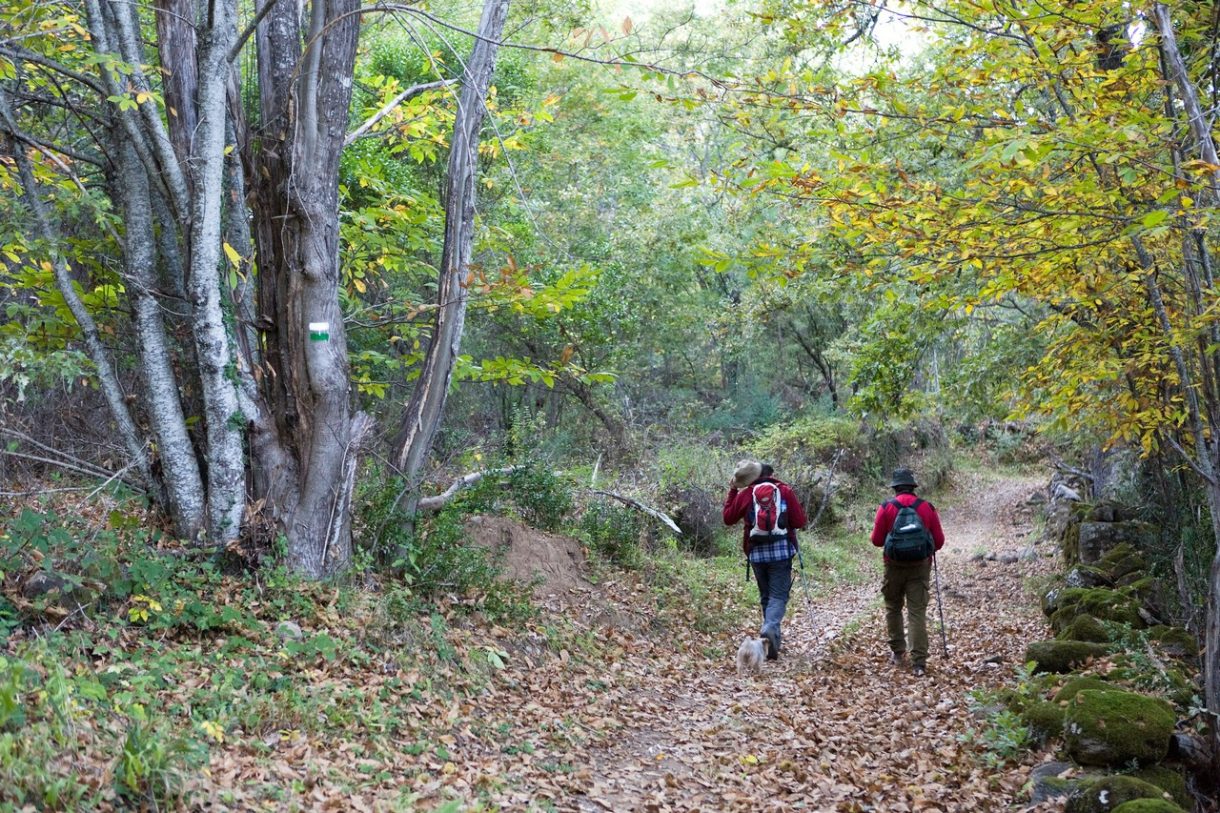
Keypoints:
(639, 506)
(409, 93)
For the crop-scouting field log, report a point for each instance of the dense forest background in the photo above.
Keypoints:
(298, 288)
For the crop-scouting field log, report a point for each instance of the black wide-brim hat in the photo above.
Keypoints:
(903, 477)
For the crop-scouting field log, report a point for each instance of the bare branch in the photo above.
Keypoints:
(466, 481)
(409, 93)
(639, 506)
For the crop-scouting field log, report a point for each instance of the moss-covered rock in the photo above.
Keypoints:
(1108, 511)
(1074, 686)
(1148, 806)
(1069, 534)
(1087, 576)
(1099, 538)
(1084, 628)
(1109, 792)
(1051, 600)
(1062, 656)
(1044, 719)
(1175, 641)
(1169, 781)
(1139, 586)
(1100, 602)
(1117, 727)
(1121, 560)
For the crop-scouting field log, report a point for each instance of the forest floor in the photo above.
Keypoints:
(833, 725)
(661, 722)
(621, 694)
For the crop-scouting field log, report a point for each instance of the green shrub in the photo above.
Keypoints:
(1003, 738)
(804, 442)
(613, 532)
(543, 499)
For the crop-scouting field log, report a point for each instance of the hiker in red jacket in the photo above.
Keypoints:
(772, 514)
(908, 566)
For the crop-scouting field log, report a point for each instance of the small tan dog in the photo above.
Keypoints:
(750, 655)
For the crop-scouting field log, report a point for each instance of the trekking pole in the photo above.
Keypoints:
(940, 608)
(805, 588)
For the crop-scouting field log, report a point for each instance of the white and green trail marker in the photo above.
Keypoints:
(319, 331)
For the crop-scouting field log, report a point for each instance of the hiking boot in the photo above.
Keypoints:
(898, 658)
(918, 670)
(772, 636)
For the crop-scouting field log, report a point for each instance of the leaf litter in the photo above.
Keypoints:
(604, 703)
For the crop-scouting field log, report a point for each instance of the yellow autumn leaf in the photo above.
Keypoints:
(213, 730)
(233, 256)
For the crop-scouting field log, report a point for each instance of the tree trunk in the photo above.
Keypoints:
(423, 414)
(1202, 422)
(214, 350)
(307, 440)
(179, 466)
(176, 46)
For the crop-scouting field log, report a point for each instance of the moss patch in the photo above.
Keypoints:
(1044, 719)
(1099, 602)
(1062, 656)
(1121, 561)
(1109, 792)
(1169, 781)
(1085, 628)
(1076, 685)
(1148, 806)
(1117, 727)
(1175, 641)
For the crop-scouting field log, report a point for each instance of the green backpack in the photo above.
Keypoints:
(908, 540)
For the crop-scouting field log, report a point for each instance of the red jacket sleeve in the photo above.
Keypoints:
(796, 514)
(735, 506)
(883, 522)
(931, 521)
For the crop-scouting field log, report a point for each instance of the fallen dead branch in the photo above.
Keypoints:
(437, 501)
(639, 506)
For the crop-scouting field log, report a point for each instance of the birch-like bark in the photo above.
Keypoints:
(128, 41)
(422, 417)
(98, 354)
(1206, 464)
(179, 466)
(1199, 126)
(225, 423)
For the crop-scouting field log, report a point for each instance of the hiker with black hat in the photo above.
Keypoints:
(908, 530)
(772, 516)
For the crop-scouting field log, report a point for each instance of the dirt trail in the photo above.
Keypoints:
(832, 725)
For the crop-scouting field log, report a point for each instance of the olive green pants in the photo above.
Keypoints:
(909, 583)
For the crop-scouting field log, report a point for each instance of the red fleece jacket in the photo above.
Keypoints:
(738, 502)
(887, 512)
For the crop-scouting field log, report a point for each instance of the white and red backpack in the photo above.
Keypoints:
(768, 515)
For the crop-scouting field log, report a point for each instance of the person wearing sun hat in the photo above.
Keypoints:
(907, 582)
(770, 551)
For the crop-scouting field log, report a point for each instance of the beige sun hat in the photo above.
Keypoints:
(747, 472)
